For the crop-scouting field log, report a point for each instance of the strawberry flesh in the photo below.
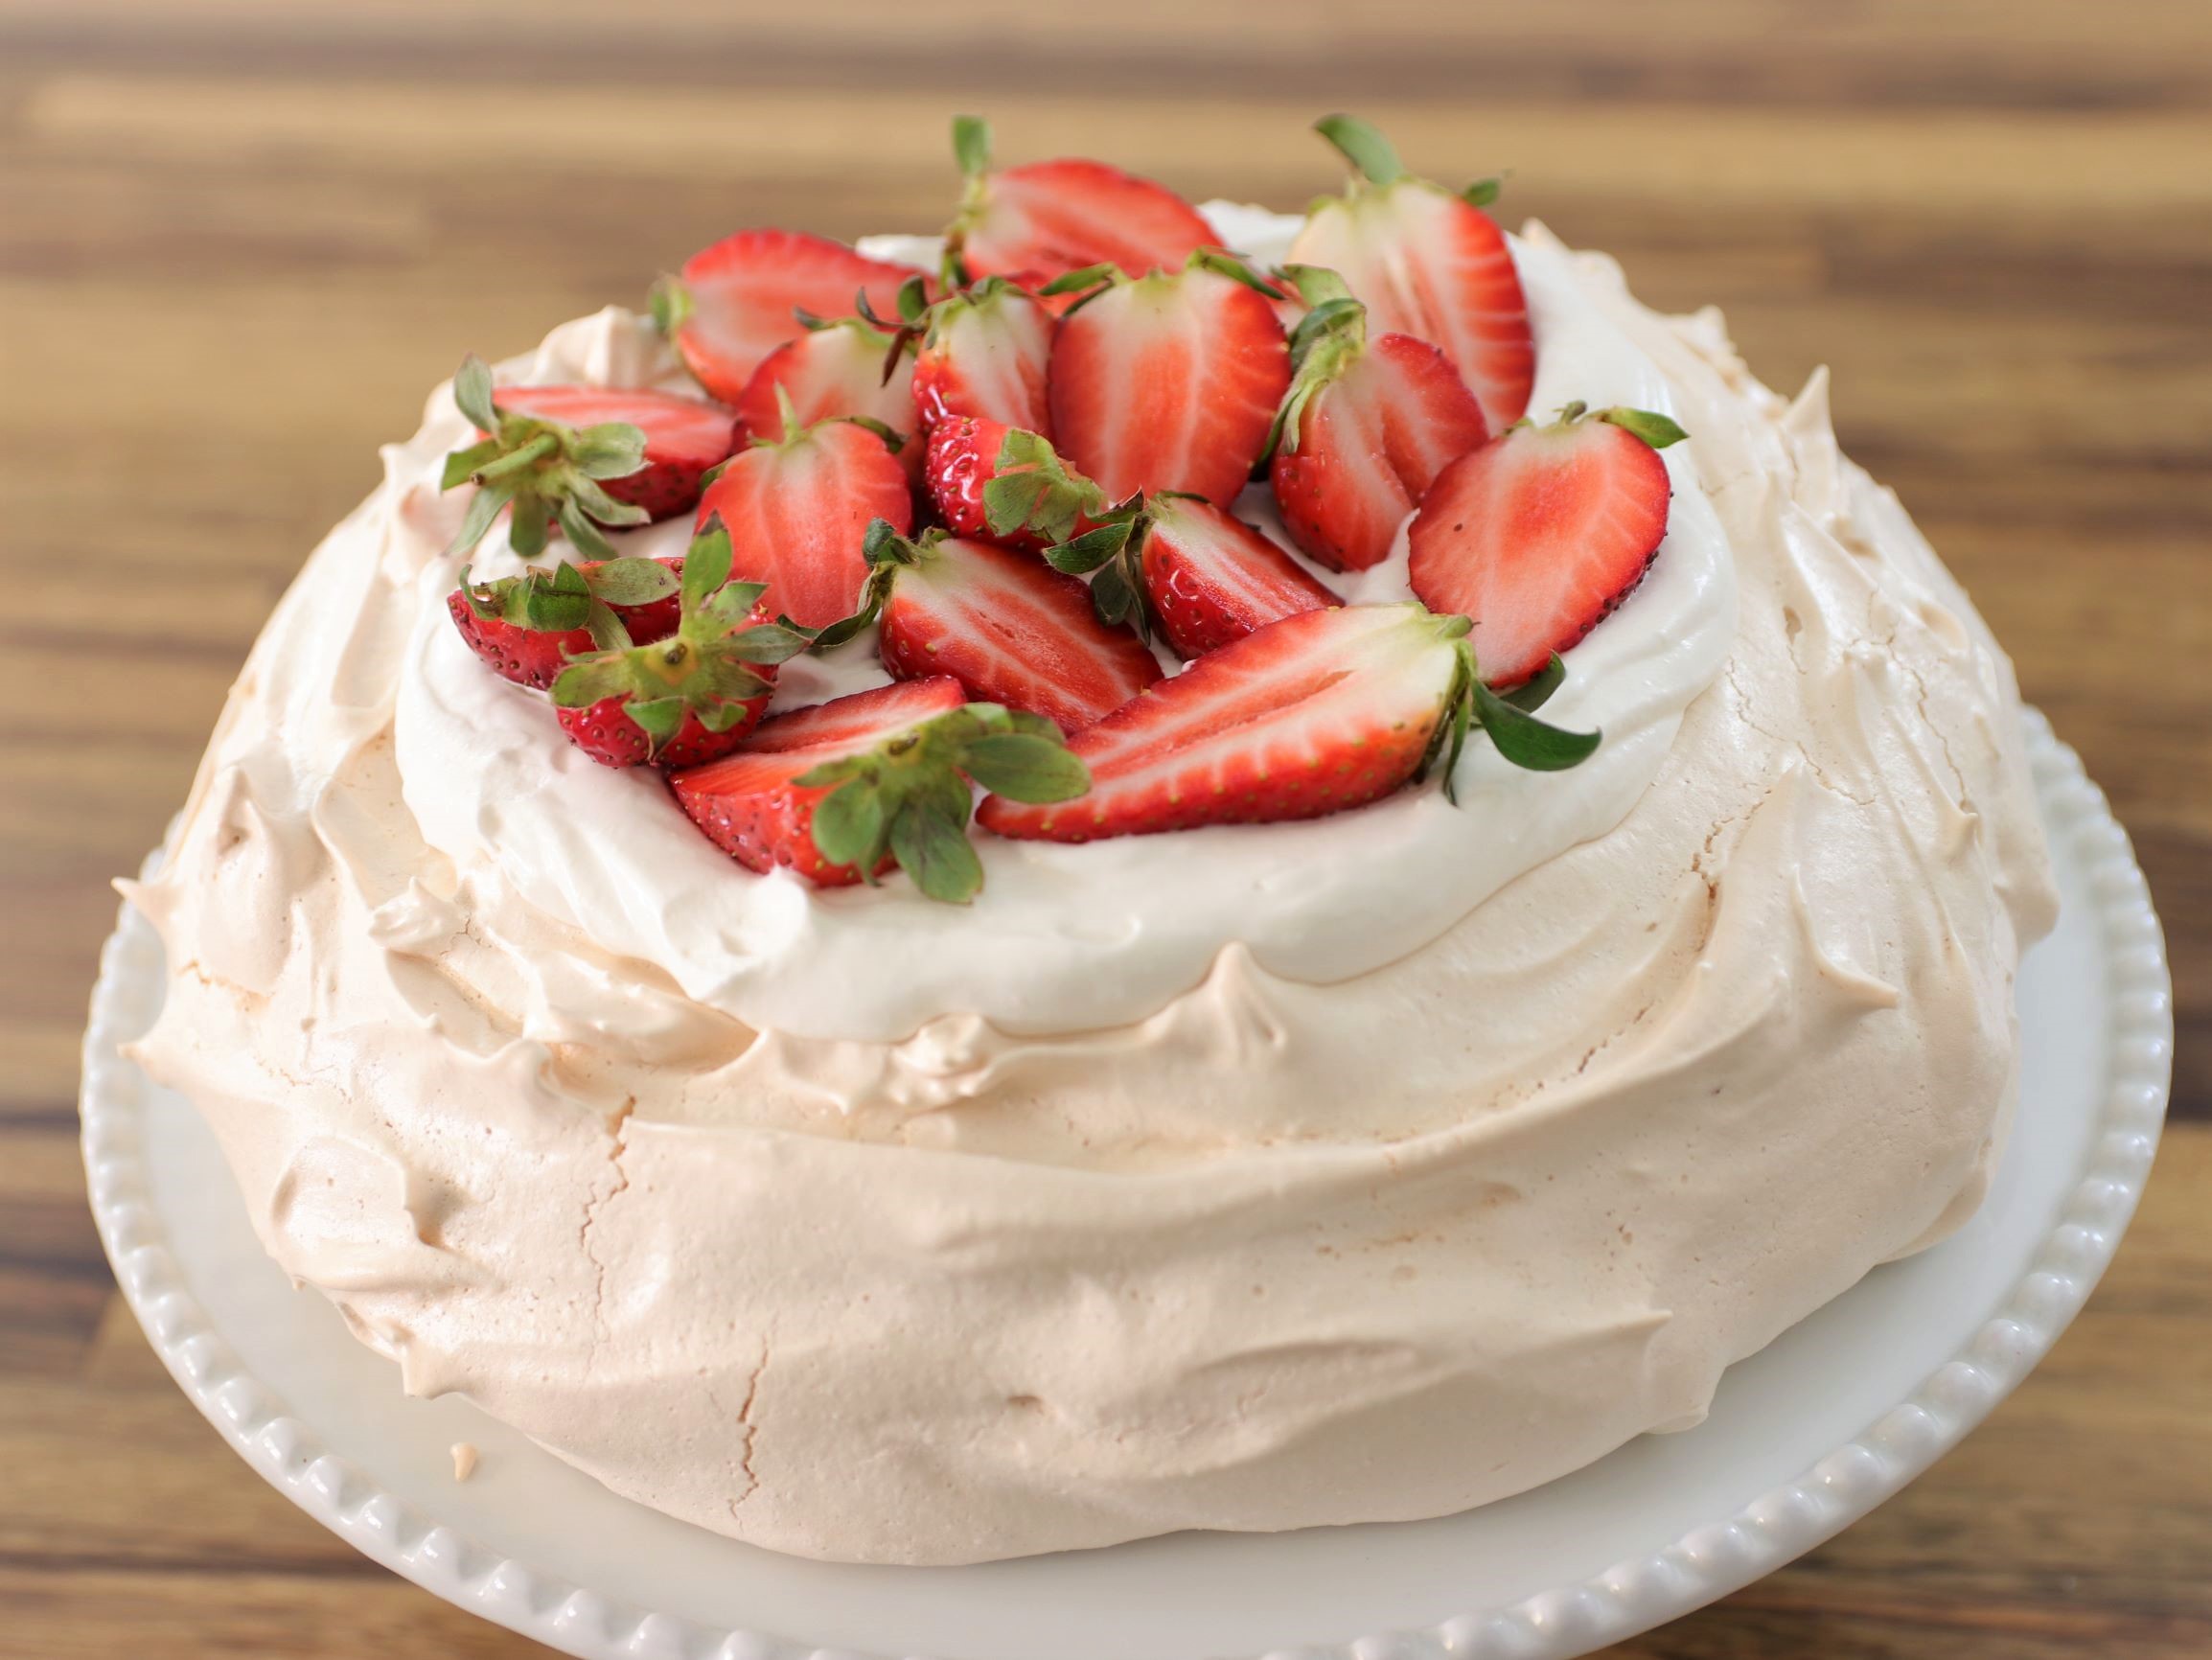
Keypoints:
(744, 294)
(1168, 382)
(1369, 445)
(837, 369)
(683, 437)
(987, 356)
(1211, 579)
(1046, 218)
(797, 512)
(749, 806)
(1012, 631)
(1321, 712)
(1536, 535)
(1438, 268)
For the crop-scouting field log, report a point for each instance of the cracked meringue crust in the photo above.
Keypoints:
(1282, 1232)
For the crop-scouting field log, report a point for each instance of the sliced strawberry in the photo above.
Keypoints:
(683, 436)
(1427, 263)
(837, 368)
(797, 508)
(687, 698)
(737, 300)
(527, 626)
(842, 792)
(1368, 425)
(1321, 712)
(1006, 627)
(987, 353)
(1211, 579)
(750, 803)
(1201, 574)
(1046, 218)
(1005, 485)
(1169, 381)
(1542, 532)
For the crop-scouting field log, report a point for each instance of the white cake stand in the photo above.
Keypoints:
(1803, 1438)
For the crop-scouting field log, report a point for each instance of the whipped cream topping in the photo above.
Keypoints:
(1214, 1211)
(1062, 937)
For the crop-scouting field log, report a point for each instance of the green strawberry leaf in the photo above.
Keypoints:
(670, 302)
(849, 826)
(1533, 693)
(1655, 429)
(972, 143)
(1367, 149)
(1025, 767)
(933, 847)
(1528, 742)
(1091, 550)
(628, 581)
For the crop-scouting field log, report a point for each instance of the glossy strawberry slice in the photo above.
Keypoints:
(1368, 425)
(1169, 381)
(737, 300)
(683, 436)
(986, 353)
(1211, 579)
(1542, 532)
(1321, 712)
(1005, 485)
(842, 792)
(1046, 218)
(1006, 627)
(750, 803)
(797, 508)
(1427, 263)
(837, 368)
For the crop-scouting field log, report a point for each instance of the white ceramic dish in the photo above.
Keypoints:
(1803, 1438)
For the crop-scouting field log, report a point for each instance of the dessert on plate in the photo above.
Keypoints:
(1143, 868)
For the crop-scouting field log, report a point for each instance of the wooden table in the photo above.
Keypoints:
(240, 239)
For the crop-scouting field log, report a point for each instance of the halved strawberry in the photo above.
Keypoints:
(527, 626)
(1542, 532)
(1427, 263)
(553, 473)
(687, 698)
(844, 791)
(848, 367)
(1003, 624)
(1368, 425)
(1321, 712)
(799, 507)
(1005, 485)
(1046, 218)
(737, 300)
(986, 353)
(1169, 381)
(683, 436)
(1198, 571)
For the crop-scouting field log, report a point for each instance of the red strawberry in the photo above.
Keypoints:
(842, 792)
(1038, 221)
(1169, 381)
(739, 300)
(837, 368)
(528, 627)
(797, 509)
(1211, 579)
(1427, 263)
(1005, 485)
(551, 473)
(683, 436)
(985, 354)
(1317, 713)
(1007, 628)
(1538, 533)
(1205, 576)
(687, 698)
(1368, 425)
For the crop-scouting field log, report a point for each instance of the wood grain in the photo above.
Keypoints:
(238, 239)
